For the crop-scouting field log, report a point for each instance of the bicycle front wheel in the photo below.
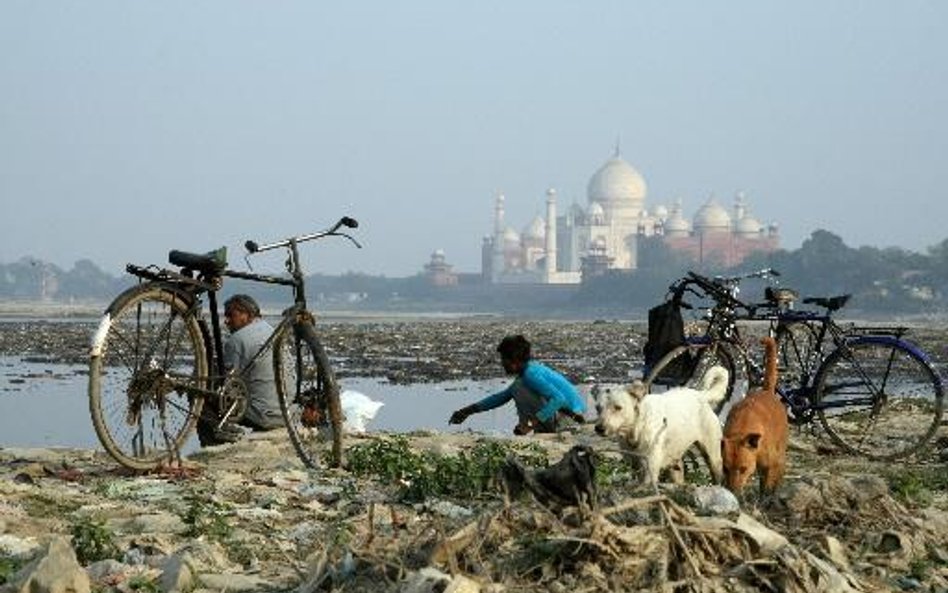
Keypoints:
(148, 363)
(878, 398)
(309, 394)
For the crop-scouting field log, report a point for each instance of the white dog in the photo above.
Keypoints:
(662, 426)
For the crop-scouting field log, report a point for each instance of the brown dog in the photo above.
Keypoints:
(755, 434)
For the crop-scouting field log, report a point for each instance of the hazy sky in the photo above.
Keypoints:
(130, 128)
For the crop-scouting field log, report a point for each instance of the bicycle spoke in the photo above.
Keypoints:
(309, 397)
(142, 385)
(878, 399)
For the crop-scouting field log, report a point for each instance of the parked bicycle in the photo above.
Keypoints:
(874, 392)
(157, 365)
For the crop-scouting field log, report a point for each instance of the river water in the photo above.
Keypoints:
(44, 404)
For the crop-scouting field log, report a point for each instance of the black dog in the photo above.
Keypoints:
(569, 482)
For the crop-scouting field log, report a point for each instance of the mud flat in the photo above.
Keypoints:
(420, 512)
(402, 351)
(428, 350)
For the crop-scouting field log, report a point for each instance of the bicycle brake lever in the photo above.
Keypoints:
(354, 242)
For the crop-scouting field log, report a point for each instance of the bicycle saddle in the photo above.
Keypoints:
(830, 303)
(212, 262)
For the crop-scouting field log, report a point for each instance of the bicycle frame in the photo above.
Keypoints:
(210, 283)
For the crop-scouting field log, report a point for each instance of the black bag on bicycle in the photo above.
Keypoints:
(666, 331)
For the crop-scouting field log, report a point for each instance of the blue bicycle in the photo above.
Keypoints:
(874, 392)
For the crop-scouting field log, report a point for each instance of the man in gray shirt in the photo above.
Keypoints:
(248, 334)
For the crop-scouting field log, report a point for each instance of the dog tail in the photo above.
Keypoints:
(714, 384)
(770, 377)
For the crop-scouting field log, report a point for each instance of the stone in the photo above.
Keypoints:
(56, 570)
(176, 574)
(157, 523)
(11, 545)
(258, 514)
(107, 570)
(448, 509)
(426, 580)
(715, 500)
(206, 556)
(768, 540)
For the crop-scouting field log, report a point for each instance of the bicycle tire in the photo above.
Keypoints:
(309, 394)
(899, 424)
(148, 347)
(797, 355)
(690, 368)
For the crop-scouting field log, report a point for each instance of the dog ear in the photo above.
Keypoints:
(752, 440)
(637, 389)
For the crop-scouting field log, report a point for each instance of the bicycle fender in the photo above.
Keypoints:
(891, 341)
(894, 341)
(98, 338)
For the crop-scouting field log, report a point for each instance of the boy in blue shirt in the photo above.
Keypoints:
(542, 395)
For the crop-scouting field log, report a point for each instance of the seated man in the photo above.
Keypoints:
(545, 399)
(249, 332)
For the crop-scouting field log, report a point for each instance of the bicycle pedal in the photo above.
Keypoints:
(228, 433)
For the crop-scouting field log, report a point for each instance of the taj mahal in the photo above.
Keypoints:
(604, 234)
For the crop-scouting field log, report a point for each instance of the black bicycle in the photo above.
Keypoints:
(156, 364)
(874, 392)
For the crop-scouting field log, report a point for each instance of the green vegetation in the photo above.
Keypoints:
(8, 568)
(44, 505)
(424, 474)
(206, 516)
(93, 540)
(916, 486)
(144, 584)
(881, 280)
(613, 471)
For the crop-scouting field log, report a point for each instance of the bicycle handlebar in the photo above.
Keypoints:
(721, 289)
(333, 231)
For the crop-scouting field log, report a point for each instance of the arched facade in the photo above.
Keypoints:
(604, 234)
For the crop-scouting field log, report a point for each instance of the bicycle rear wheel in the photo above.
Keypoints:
(687, 365)
(148, 362)
(309, 394)
(878, 398)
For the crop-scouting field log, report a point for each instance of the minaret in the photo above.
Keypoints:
(497, 259)
(550, 234)
(739, 206)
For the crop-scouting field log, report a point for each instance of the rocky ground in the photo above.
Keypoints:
(426, 512)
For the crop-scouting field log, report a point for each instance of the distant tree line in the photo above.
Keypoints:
(880, 280)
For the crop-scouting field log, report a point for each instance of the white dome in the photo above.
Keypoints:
(712, 217)
(677, 225)
(660, 212)
(511, 236)
(748, 225)
(536, 229)
(617, 183)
